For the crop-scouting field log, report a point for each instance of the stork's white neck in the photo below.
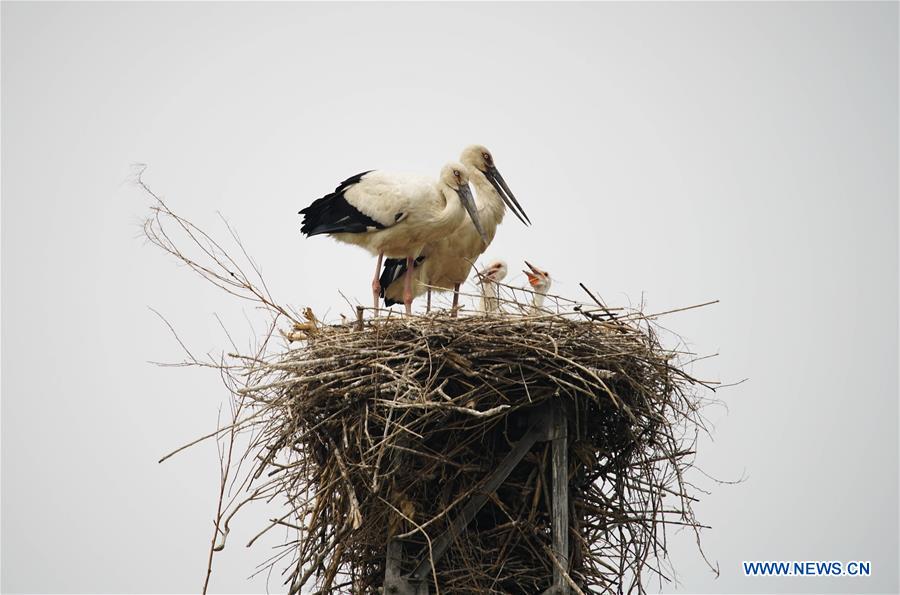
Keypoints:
(453, 211)
(537, 299)
(490, 296)
(488, 200)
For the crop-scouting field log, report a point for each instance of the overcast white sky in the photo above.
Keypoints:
(676, 153)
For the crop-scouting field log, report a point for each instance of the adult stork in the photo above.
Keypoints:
(540, 282)
(490, 279)
(446, 263)
(394, 215)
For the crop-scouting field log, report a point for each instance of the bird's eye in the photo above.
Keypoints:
(486, 156)
(456, 173)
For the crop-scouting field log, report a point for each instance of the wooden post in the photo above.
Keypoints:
(544, 423)
(537, 430)
(392, 578)
(560, 513)
(394, 581)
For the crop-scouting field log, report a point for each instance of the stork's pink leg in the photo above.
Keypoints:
(428, 304)
(376, 284)
(407, 285)
(455, 300)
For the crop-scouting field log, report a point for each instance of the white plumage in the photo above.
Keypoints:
(540, 282)
(393, 214)
(490, 279)
(448, 260)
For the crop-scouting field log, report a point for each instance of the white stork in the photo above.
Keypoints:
(394, 214)
(446, 262)
(540, 282)
(490, 278)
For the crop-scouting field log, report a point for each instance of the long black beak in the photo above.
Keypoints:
(493, 175)
(465, 197)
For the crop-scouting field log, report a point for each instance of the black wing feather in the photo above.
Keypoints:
(333, 214)
(394, 268)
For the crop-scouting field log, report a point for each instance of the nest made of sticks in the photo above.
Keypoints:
(383, 429)
(385, 432)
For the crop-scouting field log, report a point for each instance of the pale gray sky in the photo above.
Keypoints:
(675, 153)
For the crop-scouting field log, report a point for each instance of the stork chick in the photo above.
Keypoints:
(490, 279)
(540, 282)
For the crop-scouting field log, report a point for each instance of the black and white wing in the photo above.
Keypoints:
(369, 201)
(334, 214)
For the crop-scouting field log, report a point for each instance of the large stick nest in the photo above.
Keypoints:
(385, 429)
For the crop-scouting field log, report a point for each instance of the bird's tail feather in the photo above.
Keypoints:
(393, 271)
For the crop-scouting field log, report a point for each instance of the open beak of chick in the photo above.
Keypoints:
(536, 277)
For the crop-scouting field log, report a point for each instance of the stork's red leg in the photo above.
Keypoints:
(376, 284)
(455, 300)
(407, 285)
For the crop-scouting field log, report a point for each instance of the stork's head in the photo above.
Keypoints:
(495, 271)
(479, 158)
(539, 280)
(456, 177)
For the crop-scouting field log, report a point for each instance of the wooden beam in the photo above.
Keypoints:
(393, 580)
(560, 512)
(538, 430)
